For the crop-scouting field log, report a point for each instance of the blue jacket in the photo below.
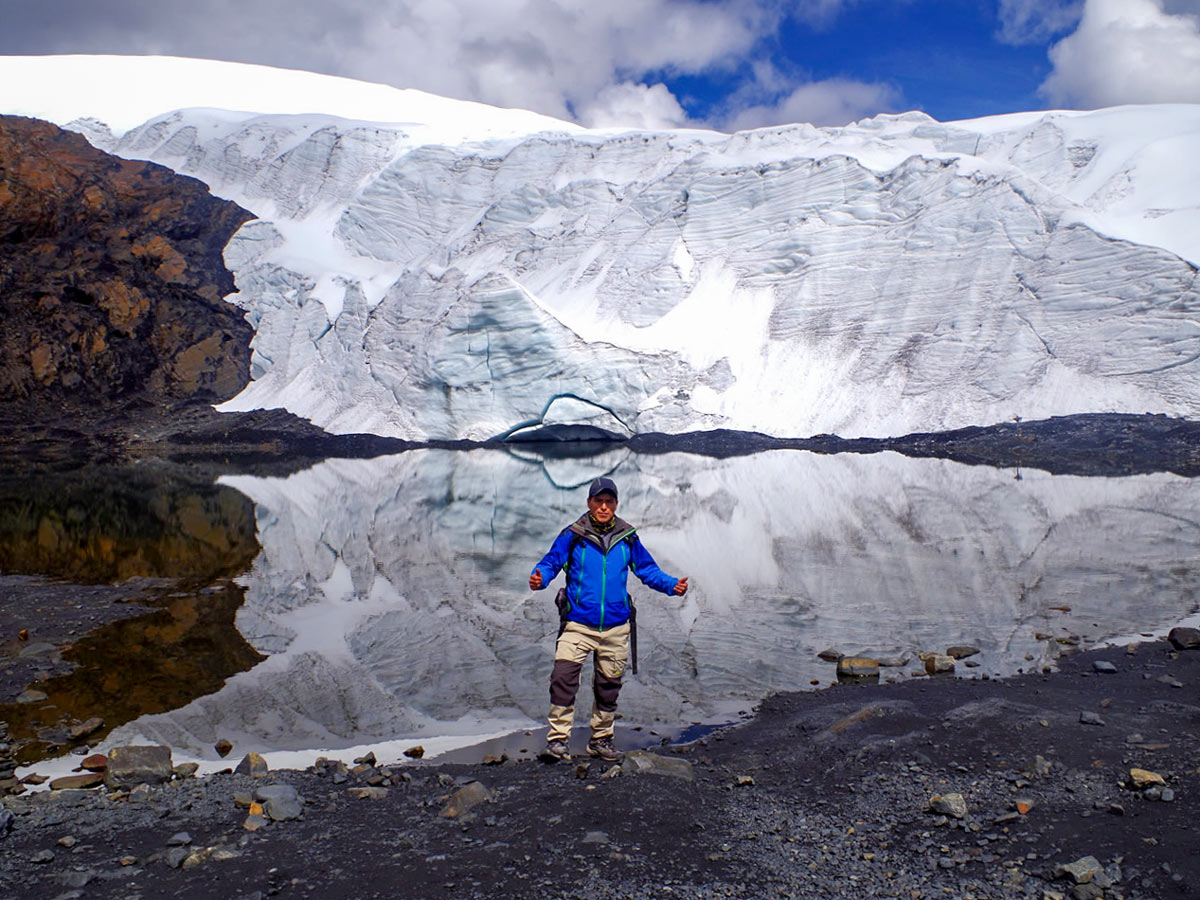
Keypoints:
(597, 570)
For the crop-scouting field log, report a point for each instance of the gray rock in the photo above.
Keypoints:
(32, 696)
(938, 664)
(281, 802)
(83, 729)
(254, 765)
(176, 856)
(131, 766)
(42, 856)
(465, 799)
(830, 655)
(179, 839)
(595, 837)
(368, 793)
(1168, 795)
(1185, 638)
(1169, 681)
(1082, 871)
(1087, 717)
(1103, 667)
(642, 762)
(186, 770)
(949, 805)
(75, 879)
(6, 821)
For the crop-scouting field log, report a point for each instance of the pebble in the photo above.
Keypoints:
(1087, 717)
(949, 804)
(42, 856)
(179, 839)
(368, 793)
(1103, 667)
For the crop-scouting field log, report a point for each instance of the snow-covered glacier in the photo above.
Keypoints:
(450, 271)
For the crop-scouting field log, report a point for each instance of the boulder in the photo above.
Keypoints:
(1185, 638)
(465, 799)
(857, 667)
(937, 664)
(253, 764)
(1082, 871)
(129, 767)
(281, 802)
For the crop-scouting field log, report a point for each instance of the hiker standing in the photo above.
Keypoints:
(597, 551)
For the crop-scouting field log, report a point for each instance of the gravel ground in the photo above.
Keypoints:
(822, 794)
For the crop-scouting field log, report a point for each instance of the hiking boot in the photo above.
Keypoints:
(555, 750)
(602, 748)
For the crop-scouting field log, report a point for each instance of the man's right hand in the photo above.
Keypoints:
(535, 581)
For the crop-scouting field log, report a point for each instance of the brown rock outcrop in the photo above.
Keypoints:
(111, 279)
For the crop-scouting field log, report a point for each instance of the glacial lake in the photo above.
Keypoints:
(386, 605)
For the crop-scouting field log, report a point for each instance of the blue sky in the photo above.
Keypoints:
(660, 63)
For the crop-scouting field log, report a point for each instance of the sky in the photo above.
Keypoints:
(724, 64)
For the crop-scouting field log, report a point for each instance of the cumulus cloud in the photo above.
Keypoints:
(834, 101)
(1035, 21)
(597, 63)
(1128, 51)
(629, 105)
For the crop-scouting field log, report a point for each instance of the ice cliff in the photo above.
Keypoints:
(450, 271)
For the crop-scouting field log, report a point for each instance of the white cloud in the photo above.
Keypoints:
(1035, 21)
(1128, 51)
(631, 105)
(836, 101)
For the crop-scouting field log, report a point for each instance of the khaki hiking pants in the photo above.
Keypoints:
(611, 649)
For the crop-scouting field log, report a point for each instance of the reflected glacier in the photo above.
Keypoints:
(390, 594)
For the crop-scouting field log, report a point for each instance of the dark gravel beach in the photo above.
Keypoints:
(821, 794)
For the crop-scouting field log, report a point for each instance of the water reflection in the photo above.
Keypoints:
(390, 594)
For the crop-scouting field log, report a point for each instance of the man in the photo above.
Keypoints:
(597, 550)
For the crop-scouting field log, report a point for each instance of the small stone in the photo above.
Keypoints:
(949, 804)
(86, 728)
(254, 823)
(1103, 667)
(1023, 805)
(743, 780)
(643, 762)
(1169, 681)
(68, 841)
(367, 759)
(582, 770)
(127, 861)
(223, 748)
(179, 839)
(1144, 778)
(1087, 717)
(937, 664)
(1167, 795)
(35, 779)
(243, 799)
(97, 762)
(254, 765)
(595, 837)
(186, 770)
(613, 772)
(961, 651)
(830, 655)
(466, 798)
(490, 760)
(256, 808)
(857, 667)
(368, 793)
(32, 696)
(176, 856)
(77, 782)
(415, 752)
(282, 802)
(42, 856)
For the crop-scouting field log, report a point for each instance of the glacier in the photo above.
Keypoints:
(391, 597)
(427, 269)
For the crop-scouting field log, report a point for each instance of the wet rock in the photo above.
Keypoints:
(1103, 667)
(132, 766)
(1082, 871)
(1141, 779)
(858, 667)
(465, 799)
(954, 805)
(31, 696)
(643, 762)
(368, 793)
(961, 651)
(86, 728)
(97, 762)
(830, 655)
(77, 782)
(223, 748)
(254, 765)
(1184, 638)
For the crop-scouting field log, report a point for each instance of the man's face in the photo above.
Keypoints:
(602, 507)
